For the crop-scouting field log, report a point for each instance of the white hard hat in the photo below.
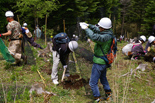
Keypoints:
(73, 45)
(143, 38)
(73, 35)
(9, 14)
(25, 24)
(151, 39)
(105, 23)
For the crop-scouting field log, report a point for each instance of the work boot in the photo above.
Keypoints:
(107, 97)
(97, 99)
(41, 48)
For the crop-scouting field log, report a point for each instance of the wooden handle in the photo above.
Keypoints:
(63, 75)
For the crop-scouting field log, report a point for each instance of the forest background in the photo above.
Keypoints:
(130, 17)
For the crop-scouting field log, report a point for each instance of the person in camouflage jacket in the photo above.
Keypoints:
(14, 33)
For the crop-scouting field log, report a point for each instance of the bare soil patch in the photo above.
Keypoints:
(74, 82)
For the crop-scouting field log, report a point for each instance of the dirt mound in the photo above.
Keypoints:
(148, 58)
(74, 82)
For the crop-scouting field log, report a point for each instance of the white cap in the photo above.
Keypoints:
(9, 14)
(105, 23)
(73, 45)
(25, 24)
(151, 39)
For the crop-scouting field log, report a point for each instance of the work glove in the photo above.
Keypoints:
(65, 66)
(153, 59)
(1, 35)
(83, 23)
(83, 26)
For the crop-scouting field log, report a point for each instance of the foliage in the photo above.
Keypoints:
(49, 32)
(136, 13)
(149, 18)
(36, 8)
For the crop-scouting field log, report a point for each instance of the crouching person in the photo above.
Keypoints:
(137, 49)
(102, 36)
(62, 47)
(151, 41)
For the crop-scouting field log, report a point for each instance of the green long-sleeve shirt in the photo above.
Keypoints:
(102, 39)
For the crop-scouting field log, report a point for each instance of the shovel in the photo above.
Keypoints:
(77, 67)
(63, 75)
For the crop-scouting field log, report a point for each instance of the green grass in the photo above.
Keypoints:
(127, 89)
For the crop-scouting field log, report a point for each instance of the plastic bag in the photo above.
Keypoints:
(127, 48)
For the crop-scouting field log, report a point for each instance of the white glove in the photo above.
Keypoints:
(84, 27)
(153, 59)
(65, 66)
(83, 23)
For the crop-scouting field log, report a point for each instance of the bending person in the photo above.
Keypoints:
(27, 34)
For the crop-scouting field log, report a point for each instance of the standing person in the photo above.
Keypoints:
(27, 34)
(13, 31)
(37, 32)
(102, 36)
(73, 38)
(137, 48)
(121, 38)
(61, 53)
(151, 41)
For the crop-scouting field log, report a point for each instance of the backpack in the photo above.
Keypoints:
(110, 56)
(60, 38)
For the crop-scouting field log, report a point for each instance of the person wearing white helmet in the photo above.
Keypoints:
(61, 53)
(73, 38)
(14, 33)
(102, 35)
(151, 41)
(76, 38)
(137, 49)
(28, 36)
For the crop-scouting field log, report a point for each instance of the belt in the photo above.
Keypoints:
(14, 39)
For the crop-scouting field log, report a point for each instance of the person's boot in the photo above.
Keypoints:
(108, 96)
(97, 100)
(41, 48)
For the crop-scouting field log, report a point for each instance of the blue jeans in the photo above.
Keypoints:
(98, 72)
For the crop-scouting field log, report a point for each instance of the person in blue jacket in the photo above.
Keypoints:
(101, 34)
(27, 34)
